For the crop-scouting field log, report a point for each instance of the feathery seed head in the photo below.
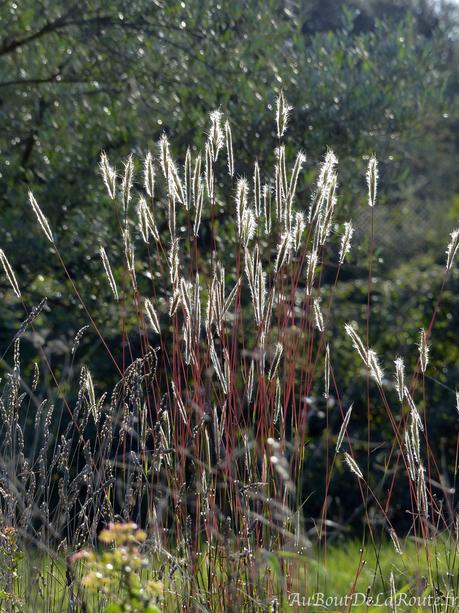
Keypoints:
(197, 179)
(267, 208)
(9, 273)
(164, 154)
(256, 190)
(400, 377)
(147, 223)
(152, 316)
(298, 229)
(282, 113)
(300, 160)
(242, 191)
(210, 178)
(108, 175)
(248, 226)
(229, 148)
(327, 170)
(452, 248)
(128, 179)
(410, 456)
(357, 342)
(149, 175)
(216, 133)
(174, 183)
(318, 317)
(43, 222)
(374, 367)
(343, 428)
(198, 204)
(322, 190)
(276, 361)
(368, 356)
(353, 466)
(283, 250)
(174, 262)
(327, 372)
(188, 176)
(129, 252)
(423, 350)
(108, 272)
(395, 541)
(250, 379)
(372, 180)
(413, 409)
(346, 241)
(313, 260)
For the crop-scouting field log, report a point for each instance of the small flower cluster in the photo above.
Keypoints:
(117, 571)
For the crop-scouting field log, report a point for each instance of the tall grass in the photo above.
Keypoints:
(203, 439)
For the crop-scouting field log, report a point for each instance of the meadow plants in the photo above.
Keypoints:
(203, 439)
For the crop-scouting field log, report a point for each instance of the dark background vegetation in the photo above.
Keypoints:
(369, 76)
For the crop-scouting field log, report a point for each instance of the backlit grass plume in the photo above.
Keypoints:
(231, 373)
